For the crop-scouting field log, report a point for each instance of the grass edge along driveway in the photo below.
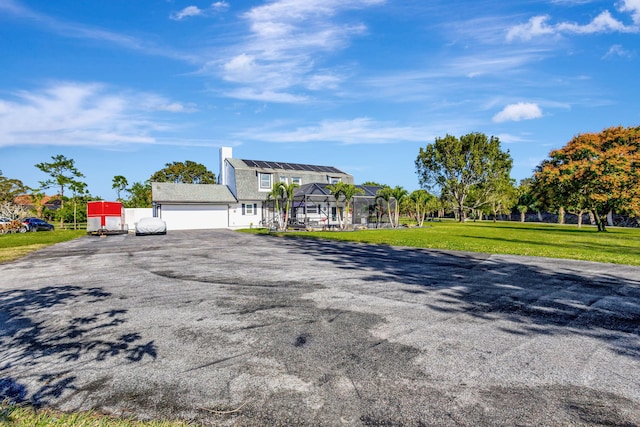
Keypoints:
(617, 245)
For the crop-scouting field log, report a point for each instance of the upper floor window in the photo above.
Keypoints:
(265, 181)
(296, 180)
(283, 179)
(334, 180)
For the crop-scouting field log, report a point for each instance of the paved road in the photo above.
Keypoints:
(233, 329)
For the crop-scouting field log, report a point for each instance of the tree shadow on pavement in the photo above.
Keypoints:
(43, 344)
(546, 297)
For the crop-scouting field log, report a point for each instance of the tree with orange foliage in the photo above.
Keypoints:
(598, 172)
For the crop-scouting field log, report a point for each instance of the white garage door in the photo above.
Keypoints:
(195, 217)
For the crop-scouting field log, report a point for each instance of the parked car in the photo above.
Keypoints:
(37, 224)
(147, 226)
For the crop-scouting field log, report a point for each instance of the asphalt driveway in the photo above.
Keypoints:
(227, 328)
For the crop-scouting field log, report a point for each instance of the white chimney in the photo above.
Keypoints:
(225, 153)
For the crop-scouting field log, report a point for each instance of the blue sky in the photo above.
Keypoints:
(123, 87)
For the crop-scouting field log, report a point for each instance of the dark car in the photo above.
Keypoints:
(36, 224)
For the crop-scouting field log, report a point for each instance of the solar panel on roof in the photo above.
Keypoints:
(290, 166)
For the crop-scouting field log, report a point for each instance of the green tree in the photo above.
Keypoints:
(184, 173)
(384, 198)
(421, 202)
(344, 193)
(10, 188)
(288, 191)
(471, 164)
(372, 184)
(139, 195)
(277, 194)
(119, 184)
(63, 173)
(398, 194)
(79, 189)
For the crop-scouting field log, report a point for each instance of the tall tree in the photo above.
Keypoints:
(288, 191)
(384, 196)
(10, 188)
(398, 194)
(472, 163)
(63, 173)
(599, 172)
(119, 184)
(79, 189)
(277, 194)
(184, 173)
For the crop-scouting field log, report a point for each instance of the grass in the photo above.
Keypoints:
(14, 246)
(617, 245)
(26, 416)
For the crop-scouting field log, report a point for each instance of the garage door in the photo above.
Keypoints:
(195, 217)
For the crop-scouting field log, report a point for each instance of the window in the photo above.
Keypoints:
(334, 180)
(265, 181)
(312, 209)
(249, 209)
(283, 179)
(296, 180)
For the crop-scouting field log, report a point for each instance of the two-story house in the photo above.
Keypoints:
(239, 200)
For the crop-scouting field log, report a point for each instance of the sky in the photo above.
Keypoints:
(124, 87)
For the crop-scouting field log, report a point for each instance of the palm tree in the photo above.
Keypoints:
(288, 191)
(420, 201)
(336, 191)
(347, 192)
(385, 194)
(399, 193)
(276, 193)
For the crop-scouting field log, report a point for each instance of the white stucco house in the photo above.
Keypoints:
(239, 200)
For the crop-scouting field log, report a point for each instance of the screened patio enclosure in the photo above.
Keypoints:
(314, 206)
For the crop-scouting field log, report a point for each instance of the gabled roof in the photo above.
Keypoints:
(169, 192)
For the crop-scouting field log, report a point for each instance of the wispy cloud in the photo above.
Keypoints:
(83, 115)
(517, 112)
(189, 11)
(361, 130)
(618, 51)
(286, 41)
(603, 23)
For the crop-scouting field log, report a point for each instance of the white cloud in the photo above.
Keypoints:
(619, 51)
(190, 11)
(517, 112)
(81, 114)
(186, 12)
(357, 131)
(633, 7)
(603, 23)
(287, 39)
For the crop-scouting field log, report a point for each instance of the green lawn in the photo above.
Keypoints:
(14, 246)
(617, 245)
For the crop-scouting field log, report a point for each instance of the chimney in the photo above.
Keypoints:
(225, 153)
